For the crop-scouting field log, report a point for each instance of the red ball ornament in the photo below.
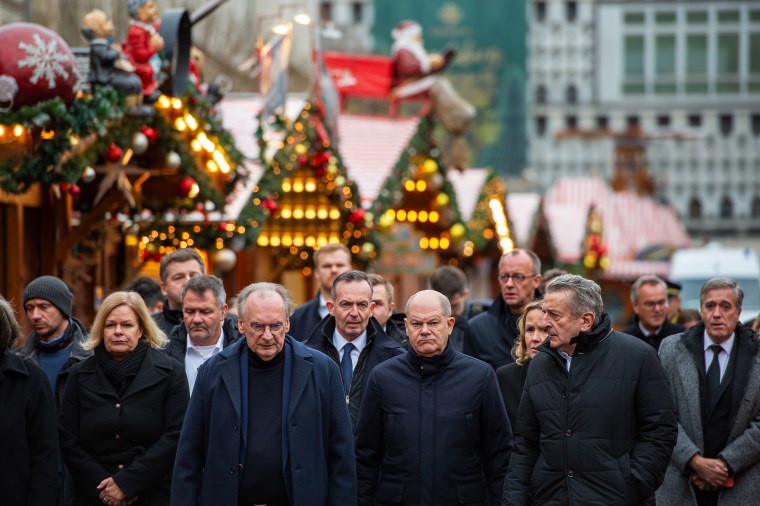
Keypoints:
(270, 205)
(74, 190)
(150, 133)
(145, 255)
(320, 159)
(320, 171)
(157, 257)
(114, 153)
(303, 160)
(357, 216)
(64, 187)
(37, 65)
(185, 185)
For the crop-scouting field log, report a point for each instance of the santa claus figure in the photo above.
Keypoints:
(143, 44)
(412, 65)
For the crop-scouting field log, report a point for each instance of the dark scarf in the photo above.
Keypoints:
(121, 373)
(431, 366)
(59, 343)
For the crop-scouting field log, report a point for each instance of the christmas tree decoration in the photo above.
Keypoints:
(114, 153)
(173, 160)
(139, 143)
(594, 248)
(88, 175)
(186, 185)
(150, 133)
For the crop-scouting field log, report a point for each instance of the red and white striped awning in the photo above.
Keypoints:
(631, 224)
(370, 147)
(467, 187)
(521, 212)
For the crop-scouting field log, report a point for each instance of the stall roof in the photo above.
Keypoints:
(522, 208)
(371, 146)
(467, 187)
(631, 224)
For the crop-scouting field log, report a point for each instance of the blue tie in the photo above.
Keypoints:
(346, 366)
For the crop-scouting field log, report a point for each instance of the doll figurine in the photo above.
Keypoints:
(143, 44)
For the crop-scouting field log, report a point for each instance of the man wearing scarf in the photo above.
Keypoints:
(55, 341)
(597, 421)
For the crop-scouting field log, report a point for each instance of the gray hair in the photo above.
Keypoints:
(179, 255)
(350, 276)
(199, 285)
(648, 279)
(720, 283)
(445, 303)
(133, 5)
(262, 288)
(585, 295)
(9, 328)
(533, 258)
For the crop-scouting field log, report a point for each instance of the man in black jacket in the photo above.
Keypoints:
(649, 298)
(351, 336)
(452, 282)
(205, 322)
(329, 261)
(391, 322)
(597, 421)
(432, 427)
(175, 270)
(493, 333)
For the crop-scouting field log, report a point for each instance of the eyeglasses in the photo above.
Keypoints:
(517, 278)
(651, 304)
(259, 328)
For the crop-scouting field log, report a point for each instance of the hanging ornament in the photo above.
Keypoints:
(368, 247)
(442, 200)
(385, 221)
(150, 133)
(88, 175)
(303, 160)
(300, 149)
(185, 186)
(456, 231)
(340, 181)
(357, 216)
(429, 167)
(114, 153)
(320, 171)
(224, 259)
(139, 143)
(173, 160)
(270, 205)
(74, 190)
(436, 181)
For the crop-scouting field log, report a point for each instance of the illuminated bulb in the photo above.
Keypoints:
(310, 213)
(334, 213)
(286, 213)
(192, 123)
(409, 186)
(164, 102)
(311, 185)
(263, 240)
(206, 142)
(391, 214)
(411, 216)
(287, 241)
(18, 130)
(180, 124)
(195, 145)
(424, 243)
(298, 240)
(298, 213)
(401, 215)
(177, 103)
(422, 216)
(433, 243)
(223, 165)
(321, 240)
(194, 191)
(211, 166)
(298, 186)
(322, 213)
(286, 186)
(310, 241)
(274, 241)
(433, 217)
(334, 238)
(421, 185)
(444, 243)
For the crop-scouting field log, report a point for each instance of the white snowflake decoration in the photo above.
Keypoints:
(45, 59)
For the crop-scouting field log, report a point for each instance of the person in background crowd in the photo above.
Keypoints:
(55, 343)
(674, 300)
(391, 321)
(123, 409)
(432, 427)
(650, 305)
(267, 421)
(232, 306)
(597, 421)
(687, 318)
(351, 337)
(549, 276)
(207, 328)
(452, 282)
(175, 269)
(28, 433)
(714, 370)
(512, 376)
(493, 333)
(150, 291)
(329, 261)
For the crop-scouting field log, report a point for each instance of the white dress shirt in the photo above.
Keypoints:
(723, 358)
(195, 356)
(323, 311)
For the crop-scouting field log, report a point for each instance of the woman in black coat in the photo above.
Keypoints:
(28, 436)
(123, 409)
(512, 376)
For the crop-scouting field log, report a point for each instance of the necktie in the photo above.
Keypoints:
(713, 377)
(346, 366)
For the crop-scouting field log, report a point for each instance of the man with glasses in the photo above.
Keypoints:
(352, 337)
(649, 297)
(493, 333)
(267, 421)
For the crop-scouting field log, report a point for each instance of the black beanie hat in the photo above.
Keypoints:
(52, 289)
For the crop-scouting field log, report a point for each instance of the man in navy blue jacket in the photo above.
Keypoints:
(267, 422)
(432, 426)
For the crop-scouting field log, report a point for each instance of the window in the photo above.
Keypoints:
(728, 63)
(696, 64)
(754, 16)
(571, 11)
(665, 18)
(726, 124)
(665, 64)
(753, 63)
(695, 120)
(728, 16)
(663, 121)
(571, 122)
(602, 122)
(571, 94)
(357, 9)
(756, 207)
(695, 208)
(540, 125)
(540, 11)
(633, 18)
(540, 94)
(726, 207)
(632, 121)
(756, 124)
(696, 18)
(633, 61)
(325, 11)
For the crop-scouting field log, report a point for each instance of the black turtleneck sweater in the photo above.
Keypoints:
(168, 318)
(263, 480)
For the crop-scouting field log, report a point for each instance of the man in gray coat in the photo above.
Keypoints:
(714, 371)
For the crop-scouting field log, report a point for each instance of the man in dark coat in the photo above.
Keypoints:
(452, 282)
(351, 328)
(211, 329)
(267, 421)
(493, 333)
(329, 261)
(175, 270)
(649, 298)
(597, 422)
(55, 343)
(391, 322)
(28, 428)
(714, 369)
(432, 427)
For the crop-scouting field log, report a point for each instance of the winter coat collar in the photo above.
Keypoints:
(431, 366)
(586, 341)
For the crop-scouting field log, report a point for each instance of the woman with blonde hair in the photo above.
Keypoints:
(512, 376)
(123, 409)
